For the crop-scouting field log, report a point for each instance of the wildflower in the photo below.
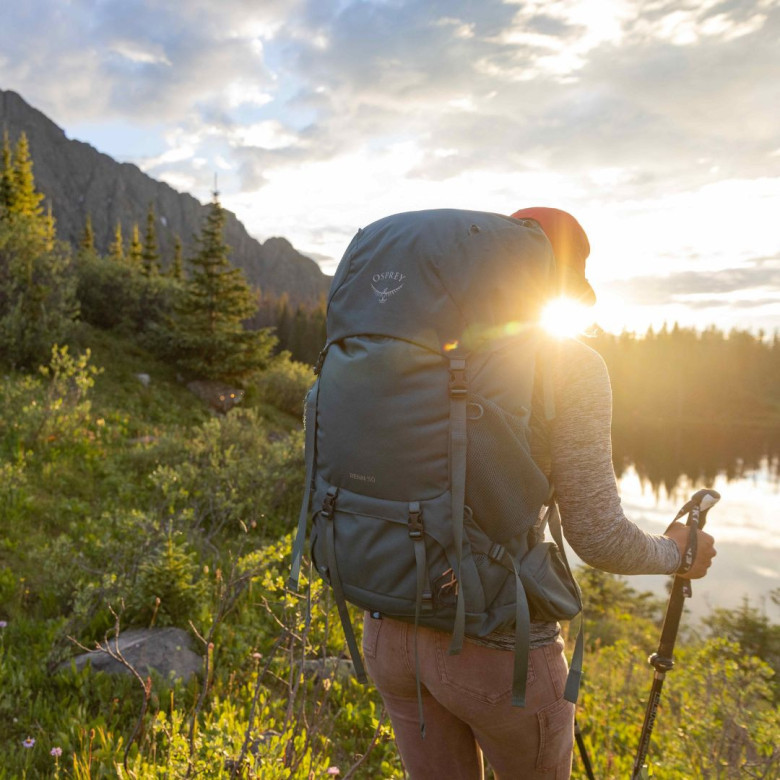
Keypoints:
(333, 770)
(56, 752)
(3, 623)
(29, 742)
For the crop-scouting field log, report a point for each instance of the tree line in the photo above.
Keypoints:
(680, 374)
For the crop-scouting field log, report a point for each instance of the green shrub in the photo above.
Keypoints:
(284, 384)
(234, 476)
(117, 296)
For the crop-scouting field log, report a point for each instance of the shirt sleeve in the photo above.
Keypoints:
(581, 462)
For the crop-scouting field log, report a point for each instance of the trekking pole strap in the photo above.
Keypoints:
(458, 443)
(310, 426)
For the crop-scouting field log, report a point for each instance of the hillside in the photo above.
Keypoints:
(78, 180)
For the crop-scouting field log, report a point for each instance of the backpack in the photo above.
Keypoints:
(424, 499)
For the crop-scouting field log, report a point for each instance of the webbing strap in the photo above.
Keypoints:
(572, 690)
(310, 425)
(575, 670)
(522, 639)
(338, 590)
(424, 599)
(458, 444)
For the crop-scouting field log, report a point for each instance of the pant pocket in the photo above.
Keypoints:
(478, 672)
(556, 735)
(371, 629)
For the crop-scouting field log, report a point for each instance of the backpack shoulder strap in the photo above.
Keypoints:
(458, 447)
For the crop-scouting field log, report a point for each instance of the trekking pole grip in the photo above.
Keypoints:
(700, 503)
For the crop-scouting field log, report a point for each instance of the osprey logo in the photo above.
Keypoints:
(388, 280)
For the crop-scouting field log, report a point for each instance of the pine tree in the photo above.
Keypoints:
(6, 178)
(116, 250)
(26, 199)
(135, 252)
(150, 256)
(49, 229)
(176, 270)
(87, 242)
(210, 337)
(37, 286)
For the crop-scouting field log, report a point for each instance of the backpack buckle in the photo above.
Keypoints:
(496, 552)
(458, 383)
(329, 503)
(415, 521)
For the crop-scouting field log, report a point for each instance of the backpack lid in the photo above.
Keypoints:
(437, 277)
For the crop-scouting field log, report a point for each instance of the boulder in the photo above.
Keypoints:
(167, 651)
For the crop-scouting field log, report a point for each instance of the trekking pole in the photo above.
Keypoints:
(662, 660)
(583, 752)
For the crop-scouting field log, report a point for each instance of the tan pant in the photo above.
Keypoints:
(467, 706)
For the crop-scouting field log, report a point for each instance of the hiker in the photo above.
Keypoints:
(444, 432)
(466, 697)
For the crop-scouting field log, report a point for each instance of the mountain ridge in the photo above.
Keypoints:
(78, 180)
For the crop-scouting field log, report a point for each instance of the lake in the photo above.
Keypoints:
(660, 467)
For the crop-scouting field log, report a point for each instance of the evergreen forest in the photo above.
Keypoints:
(151, 468)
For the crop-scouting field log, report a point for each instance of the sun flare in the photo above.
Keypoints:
(565, 318)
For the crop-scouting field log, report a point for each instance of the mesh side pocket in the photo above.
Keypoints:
(504, 487)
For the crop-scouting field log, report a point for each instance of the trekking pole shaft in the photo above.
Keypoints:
(649, 723)
(672, 618)
(583, 752)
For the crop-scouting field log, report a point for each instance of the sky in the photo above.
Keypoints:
(656, 123)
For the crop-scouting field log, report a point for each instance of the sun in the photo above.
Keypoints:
(565, 318)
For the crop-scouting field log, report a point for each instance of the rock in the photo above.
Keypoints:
(340, 669)
(219, 396)
(168, 651)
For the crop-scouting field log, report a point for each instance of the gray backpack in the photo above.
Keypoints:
(424, 499)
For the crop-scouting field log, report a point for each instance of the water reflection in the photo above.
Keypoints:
(659, 467)
(663, 454)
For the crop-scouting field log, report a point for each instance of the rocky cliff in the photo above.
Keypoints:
(78, 180)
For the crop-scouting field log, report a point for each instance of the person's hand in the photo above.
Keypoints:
(705, 549)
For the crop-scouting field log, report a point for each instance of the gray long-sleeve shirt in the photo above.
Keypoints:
(578, 455)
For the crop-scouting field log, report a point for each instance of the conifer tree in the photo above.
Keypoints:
(116, 250)
(177, 264)
(135, 252)
(87, 242)
(26, 199)
(49, 231)
(211, 340)
(37, 287)
(150, 256)
(6, 177)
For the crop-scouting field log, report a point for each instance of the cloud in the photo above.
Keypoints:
(755, 283)
(561, 85)
(137, 59)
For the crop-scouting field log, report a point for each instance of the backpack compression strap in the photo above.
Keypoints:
(458, 444)
(310, 425)
(571, 692)
(327, 511)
